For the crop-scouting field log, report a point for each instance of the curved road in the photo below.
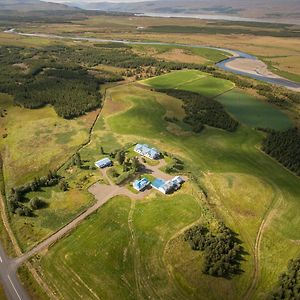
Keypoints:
(270, 78)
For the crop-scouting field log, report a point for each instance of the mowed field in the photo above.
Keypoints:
(193, 81)
(253, 112)
(122, 254)
(133, 250)
(245, 108)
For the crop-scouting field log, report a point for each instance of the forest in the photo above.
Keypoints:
(223, 251)
(63, 76)
(71, 92)
(284, 146)
(202, 111)
(288, 286)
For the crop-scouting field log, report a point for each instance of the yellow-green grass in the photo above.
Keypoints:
(61, 208)
(118, 252)
(243, 185)
(34, 289)
(253, 112)
(5, 240)
(37, 141)
(193, 81)
(2, 293)
(210, 55)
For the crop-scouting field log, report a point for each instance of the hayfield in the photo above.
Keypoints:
(253, 112)
(115, 259)
(244, 187)
(193, 81)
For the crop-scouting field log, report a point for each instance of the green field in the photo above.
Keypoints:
(193, 81)
(116, 249)
(243, 185)
(253, 112)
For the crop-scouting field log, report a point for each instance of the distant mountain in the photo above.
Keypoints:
(242, 8)
(32, 5)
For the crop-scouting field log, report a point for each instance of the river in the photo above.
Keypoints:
(236, 54)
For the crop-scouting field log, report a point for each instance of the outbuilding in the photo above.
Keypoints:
(141, 184)
(103, 163)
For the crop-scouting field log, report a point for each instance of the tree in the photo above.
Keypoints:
(135, 164)
(63, 185)
(37, 203)
(102, 150)
(77, 160)
(120, 157)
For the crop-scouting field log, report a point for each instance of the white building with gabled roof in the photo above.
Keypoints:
(146, 151)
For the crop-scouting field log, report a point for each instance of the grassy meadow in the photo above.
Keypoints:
(253, 112)
(270, 42)
(38, 141)
(244, 187)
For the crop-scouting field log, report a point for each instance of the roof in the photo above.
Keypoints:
(178, 180)
(145, 150)
(103, 162)
(140, 184)
(157, 183)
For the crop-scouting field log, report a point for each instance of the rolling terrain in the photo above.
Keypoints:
(245, 188)
(79, 232)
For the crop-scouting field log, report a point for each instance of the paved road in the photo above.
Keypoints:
(12, 286)
(102, 192)
(277, 80)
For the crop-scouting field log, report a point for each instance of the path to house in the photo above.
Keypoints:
(102, 192)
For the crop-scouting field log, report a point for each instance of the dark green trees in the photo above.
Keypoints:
(203, 111)
(284, 147)
(222, 250)
(288, 286)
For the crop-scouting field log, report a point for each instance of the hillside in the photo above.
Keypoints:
(31, 5)
(287, 10)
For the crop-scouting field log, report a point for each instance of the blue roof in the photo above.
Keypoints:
(157, 183)
(103, 162)
(140, 184)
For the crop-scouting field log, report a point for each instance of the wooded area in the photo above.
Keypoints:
(288, 286)
(284, 146)
(222, 250)
(203, 111)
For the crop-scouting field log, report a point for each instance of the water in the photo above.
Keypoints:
(222, 65)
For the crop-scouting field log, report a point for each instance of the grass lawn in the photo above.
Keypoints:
(253, 112)
(193, 81)
(242, 185)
